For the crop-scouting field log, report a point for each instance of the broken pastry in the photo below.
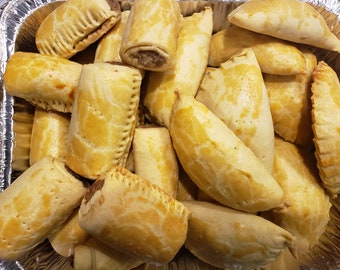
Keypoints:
(325, 124)
(103, 118)
(74, 25)
(192, 58)
(150, 36)
(218, 161)
(68, 236)
(109, 45)
(46, 81)
(154, 157)
(227, 238)
(291, 20)
(96, 255)
(236, 93)
(305, 211)
(134, 216)
(49, 134)
(290, 105)
(35, 205)
(285, 58)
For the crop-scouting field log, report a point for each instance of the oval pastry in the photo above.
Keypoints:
(218, 161)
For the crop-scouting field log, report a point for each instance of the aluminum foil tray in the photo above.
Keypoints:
(19, 21)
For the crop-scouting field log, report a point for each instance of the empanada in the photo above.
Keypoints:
(109, 45)
(96, 255)
(74, 25)
(154, 157)
(192, 58)
(236, 93)
(49, 134)
(290, 104)
(103, 118)
(150, 36)
(134, 216)
(305, 211)
(218, 161)
(35, 205)
(227, 238)
(46, 81)
(285, 58)
(326, 125)
(291, 20)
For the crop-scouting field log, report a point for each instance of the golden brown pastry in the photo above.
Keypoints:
(74, 25)
(35, 205)
(236, 93)
(227, 238)
(290, 105)
(68, 236)
(305, 211)
(285, 58)
(96, 255)
(109, 45)
(23, 114)
(150, 36)
(103, 118)
(49, 134)
(154, 157)
(192, 58)
(132, 215)
(218, 161)
(45, 81)
(325, 124)
(292, 20)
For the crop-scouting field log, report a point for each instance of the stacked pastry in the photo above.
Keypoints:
(176, 137)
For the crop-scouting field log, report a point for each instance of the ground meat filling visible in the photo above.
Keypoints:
(149, 59)
(114, 4)
(97, 185)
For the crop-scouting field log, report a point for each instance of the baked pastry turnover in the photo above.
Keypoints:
(285, 58)
(218, 161)
(49, 134)
(132, 215)
(103, 118)
(109, 45)
(45, 81)
(290, 104)
(305, 211)
(291, 20)
(192, 58)
(236, 93)
(150, 36)
(35, 205)
(154, 157)
(325, 124)
(227, 238)
(74, 25)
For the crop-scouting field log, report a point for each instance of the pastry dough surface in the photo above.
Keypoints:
(291, 20)
(236, 93)
(35, 205)
(129, 213)
(218, 161)
(46, 81)
(103, 118)
(228, 238)
(325, 124)
(305, 211)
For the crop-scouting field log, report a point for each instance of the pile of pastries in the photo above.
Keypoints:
(224, 143)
